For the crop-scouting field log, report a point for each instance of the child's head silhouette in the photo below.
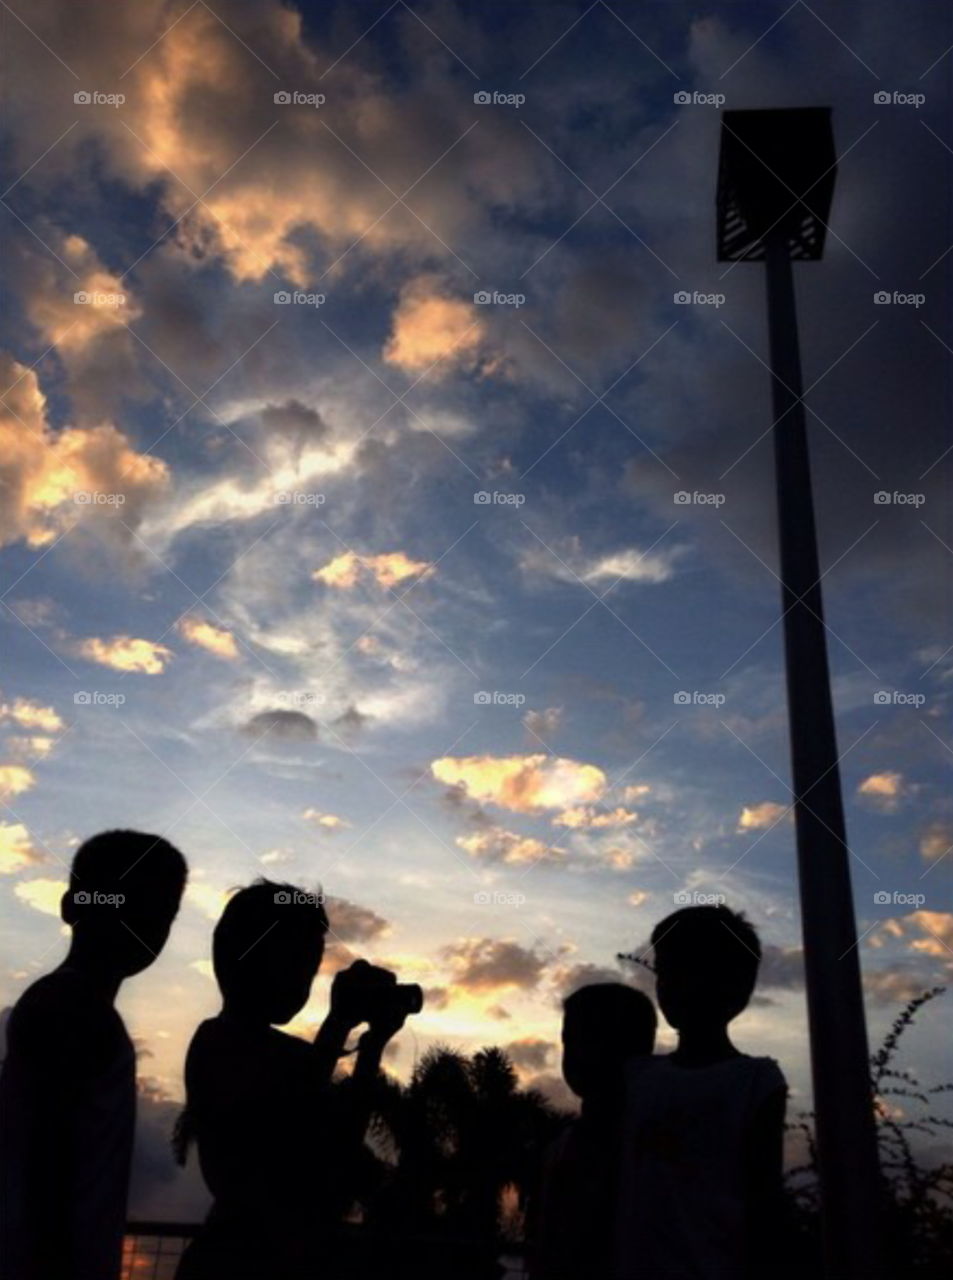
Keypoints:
(603, 1025)
(267, 948)
(706, 964)
(124, 893)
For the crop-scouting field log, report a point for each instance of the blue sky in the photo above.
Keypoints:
(250, 597)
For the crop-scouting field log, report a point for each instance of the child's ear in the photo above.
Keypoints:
(68, 913)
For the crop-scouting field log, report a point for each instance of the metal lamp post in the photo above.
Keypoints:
(775, 182)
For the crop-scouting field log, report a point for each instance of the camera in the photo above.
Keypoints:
(374, 995)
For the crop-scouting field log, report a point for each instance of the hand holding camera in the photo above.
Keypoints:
(368, 993)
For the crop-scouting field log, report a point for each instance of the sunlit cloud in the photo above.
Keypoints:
(32, 715)
(206, 635)
(586, 816)
(499, 845)
(758, 817)
(16, 848)
(936, 841)
(524, 784)
(387, 570)
(884, 791)
(14, 780)
(433, 332)
(42, 894)
(329, 823)
(126, 653)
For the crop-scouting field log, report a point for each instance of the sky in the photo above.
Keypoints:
(388, 500)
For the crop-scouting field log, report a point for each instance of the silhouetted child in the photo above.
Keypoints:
(68, 1088)
(701, 1189)
(604, 1026)
(277, 1156)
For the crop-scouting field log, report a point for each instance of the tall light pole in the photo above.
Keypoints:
(775, 182)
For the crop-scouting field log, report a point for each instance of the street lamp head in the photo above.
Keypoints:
(775, 180)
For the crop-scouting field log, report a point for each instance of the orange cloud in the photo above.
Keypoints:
(31, 715)
(936, 841)
(206, 635)
(126, 653)
(883, 790)
(16, 848)
(42, 894)
(328, 822)
(758, 817)
(499, 845)
(433, 332)
(586, 816)
(387, 569)
(525, 784)
(14, 780)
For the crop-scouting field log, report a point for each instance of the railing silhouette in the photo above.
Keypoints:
(151, 1250)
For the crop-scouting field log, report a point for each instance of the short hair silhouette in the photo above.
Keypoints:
(706, 963)
(124, 892)
(267, 947)
(604, 1024)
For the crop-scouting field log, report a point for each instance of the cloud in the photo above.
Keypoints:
(125, 653)
(781, 967)
(884, 791)
(206, 898)
(569, 978)
(483, 965)
(91, 477)
(32, 715)
(530, 1053)
(936, 841)
(43, 894)
(566, 561)
(498, 845)
(542, 724)
(14, 780)
(938, 925)
(387, 570)
(16, 848)
(586, 816)
(758, 817)
(329, 823)
(524, 784)
(205, 634)
(286, 726)
(432, 332)
(351, 922)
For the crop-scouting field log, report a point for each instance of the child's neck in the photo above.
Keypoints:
(701, 1046)
(103, 980)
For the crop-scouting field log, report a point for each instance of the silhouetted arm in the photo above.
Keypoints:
(764, 1159)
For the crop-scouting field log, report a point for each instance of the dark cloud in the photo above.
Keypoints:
(530, 1053)
(490, 964)
(287, 726)
(351, 922)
